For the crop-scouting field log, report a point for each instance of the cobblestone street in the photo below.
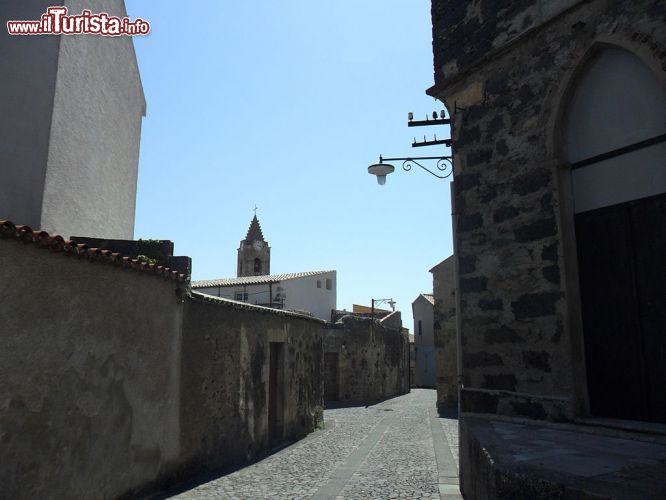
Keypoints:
(399, 448)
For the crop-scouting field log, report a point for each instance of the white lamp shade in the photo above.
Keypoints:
(381, 170)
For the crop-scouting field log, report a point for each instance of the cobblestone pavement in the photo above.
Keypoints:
(399, 448)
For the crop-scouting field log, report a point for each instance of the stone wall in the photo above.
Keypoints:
(90, 367)
(373, 362)
(225, 379)
(466, 33)
(444, 312)
(115, 378)
(522, 348)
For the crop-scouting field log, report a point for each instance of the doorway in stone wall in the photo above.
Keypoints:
(616, 145)
(276, 394)
(331, 387)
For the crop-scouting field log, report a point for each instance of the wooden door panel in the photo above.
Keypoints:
(609, 313)
(648, 219)
(622, 271)
(330, 376)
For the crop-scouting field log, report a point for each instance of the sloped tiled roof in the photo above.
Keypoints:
(235, 304)
(429, 297)
(55, 242)
(254, 232)
(254, 280)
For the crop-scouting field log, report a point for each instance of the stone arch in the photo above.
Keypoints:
(583, 128)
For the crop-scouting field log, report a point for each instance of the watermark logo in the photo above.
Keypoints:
(57, 21)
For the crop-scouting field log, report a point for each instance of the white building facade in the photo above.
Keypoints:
(312, 292)
(425, 371)
(71, 110)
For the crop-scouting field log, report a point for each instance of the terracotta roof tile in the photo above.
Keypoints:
(55, 242)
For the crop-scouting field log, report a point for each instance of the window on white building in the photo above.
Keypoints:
(329, 284)
(318, 283)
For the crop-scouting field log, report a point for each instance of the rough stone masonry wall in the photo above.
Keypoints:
(89, 376)
(444, 329)
(372, 365)
(519, 354)
(225, 376)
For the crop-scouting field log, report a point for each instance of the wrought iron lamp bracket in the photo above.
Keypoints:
(444, 164)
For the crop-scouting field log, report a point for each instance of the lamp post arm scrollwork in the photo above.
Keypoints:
(444, 164)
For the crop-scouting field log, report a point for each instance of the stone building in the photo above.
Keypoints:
(444, 332)
(70, 122)
(559, 206)
(254, 254)
(558, 132)
(424, 345)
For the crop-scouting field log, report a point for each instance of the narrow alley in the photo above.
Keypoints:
(399, 448)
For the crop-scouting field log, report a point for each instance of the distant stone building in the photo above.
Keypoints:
(310, 292)
(254, 254)
(444, 332)
(70, 122)
(424, 346)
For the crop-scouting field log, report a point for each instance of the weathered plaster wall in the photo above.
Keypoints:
(522, 349)
(90, 187)
(28, 67)
(444, 312)
(90, 371)
(225, 379)
(373, 364)
(115, 379)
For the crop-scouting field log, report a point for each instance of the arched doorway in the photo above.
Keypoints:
(615, 142)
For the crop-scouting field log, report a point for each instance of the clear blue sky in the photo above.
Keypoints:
(284, 105)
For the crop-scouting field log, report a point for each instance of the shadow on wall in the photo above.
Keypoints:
(117, 379)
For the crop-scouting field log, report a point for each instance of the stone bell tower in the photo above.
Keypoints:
(254, 254)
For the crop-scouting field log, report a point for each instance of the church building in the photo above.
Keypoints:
(310, 292)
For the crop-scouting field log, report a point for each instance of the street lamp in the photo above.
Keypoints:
(444, 164)
(390, 302)
(381, 170)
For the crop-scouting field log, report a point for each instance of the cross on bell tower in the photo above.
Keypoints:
(254, 254)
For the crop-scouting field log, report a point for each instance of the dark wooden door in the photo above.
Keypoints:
(622, 271)
(331, 376)
(275, 394)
